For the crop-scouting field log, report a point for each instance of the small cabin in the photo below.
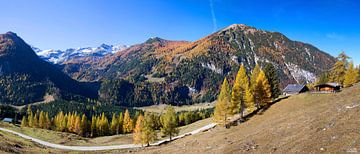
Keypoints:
(8, 120)
(293, 89)
(328, 87)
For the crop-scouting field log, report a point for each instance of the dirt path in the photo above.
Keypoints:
(98, 148)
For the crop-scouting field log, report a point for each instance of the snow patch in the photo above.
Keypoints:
(212, 67)
(300, 74)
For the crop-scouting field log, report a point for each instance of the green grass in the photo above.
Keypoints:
(161, 108)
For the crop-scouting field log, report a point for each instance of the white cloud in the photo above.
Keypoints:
(334, 36)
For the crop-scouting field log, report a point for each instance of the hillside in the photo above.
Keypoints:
(306, 123)
(180, 72)
(25, 78)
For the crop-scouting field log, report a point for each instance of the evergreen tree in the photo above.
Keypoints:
(324, 78)
(23, 122)
(149, 133)
(241, 83)
(272, 76)
(137, 136)
(127, 123)
(221, 111)
(350, 76)
(169, 123)
(262, 92)
(114, 124)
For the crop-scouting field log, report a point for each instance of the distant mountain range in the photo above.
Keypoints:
(25, 78)
(179, 72)
(60, 56)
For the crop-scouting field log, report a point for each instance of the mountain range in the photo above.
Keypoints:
(25, 78)
(182, 72)
(60, 56)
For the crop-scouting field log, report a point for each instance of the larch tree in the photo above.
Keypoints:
(254, 75)
(249, 100)
(338, 71)
(120, 123)
(47, 121)
(127, 123)
(149, 133)
(350, 76)
(93, 126)
(30, 117)
(114, 124)
(23, 122)
(238, 93)
(138, 130)
(169, 123)
(222, 111)
(262, 93)
(36, 119)
(77, 128)
(41, 120)
(274, 81)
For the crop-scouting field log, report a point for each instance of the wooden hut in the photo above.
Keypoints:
(328, 87)
(292, 89)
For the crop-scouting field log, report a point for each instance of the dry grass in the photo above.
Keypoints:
(306, 123)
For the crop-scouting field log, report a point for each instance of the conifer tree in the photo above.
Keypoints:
(41, 120)
(77, 124)
(250, 102)
(338, 71)
(84, 125)
(36, 119)
(221, 111)
(30, 118)
(93, 126)
(23, 122)
(47, 121)
(149, 133)
(262, 92)
(64, 123)
(272, 76)
(127, 123)
(120, 123)
(169, 122)
(241, 83)
(114, 124)
(138, 130)
(350, 76)
(254, 75)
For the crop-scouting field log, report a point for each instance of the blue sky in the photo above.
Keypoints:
(331, 25)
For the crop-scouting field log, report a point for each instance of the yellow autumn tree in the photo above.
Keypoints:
(127, 123)
(222, 111)
(137, 136)
(238, 92)
(114, 124)
(350, 76)
(149, 133)
(262, 91)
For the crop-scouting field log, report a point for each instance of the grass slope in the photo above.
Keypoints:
(306, 123)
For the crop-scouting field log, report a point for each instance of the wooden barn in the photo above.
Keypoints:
(328, 87)
(292, 89)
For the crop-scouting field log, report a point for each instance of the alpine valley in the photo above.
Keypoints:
(157, 71)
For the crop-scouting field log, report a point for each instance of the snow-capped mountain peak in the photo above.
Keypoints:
(60, 56)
